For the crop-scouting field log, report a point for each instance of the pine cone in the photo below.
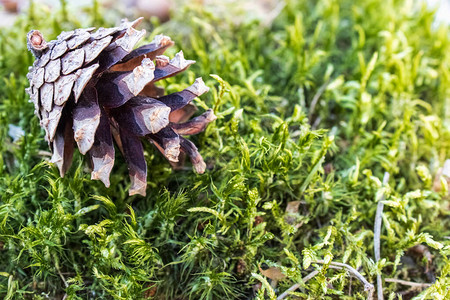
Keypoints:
(90, 87)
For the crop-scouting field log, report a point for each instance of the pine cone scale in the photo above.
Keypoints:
(152, 91)
(83, 77)
(59, 50)
(92, 50)
(130, 39)
(195, 125)
(52, 122)
(176, 65)
(155, 116)
(137, 166)
(110, 56)
(63, 147)
(180, 99)
(52, 70)
(170, 142)
(65, 35)
(86, 118)
(72, 61)
(43, 61)
(157, 47)
(104, 32)
(113, 91)
(46, 91)
(63, 88)
(143, 117)
(188, 147)
(140, 76)
(37, 79)
(79, 38)
(183, 114)
(102, 151)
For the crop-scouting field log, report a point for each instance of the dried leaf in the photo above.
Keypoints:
(292, 207)
(273, 273)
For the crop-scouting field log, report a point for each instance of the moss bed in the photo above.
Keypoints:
(314, 106)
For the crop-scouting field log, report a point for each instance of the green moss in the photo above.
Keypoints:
(313, 108)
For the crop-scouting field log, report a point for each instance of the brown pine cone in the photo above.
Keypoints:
(90, 87)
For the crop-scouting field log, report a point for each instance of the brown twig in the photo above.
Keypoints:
(297, 285)
(410, 283)
(377, 234)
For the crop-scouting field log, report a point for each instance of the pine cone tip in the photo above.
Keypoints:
(36, 42)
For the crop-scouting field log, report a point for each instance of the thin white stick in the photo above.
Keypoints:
(368, 287)
(410, 283)
(335, 265)
(297, 285)
(377, 234)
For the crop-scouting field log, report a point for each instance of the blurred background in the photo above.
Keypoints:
(259, 9)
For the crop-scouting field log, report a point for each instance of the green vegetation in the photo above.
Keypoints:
(313, 107)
